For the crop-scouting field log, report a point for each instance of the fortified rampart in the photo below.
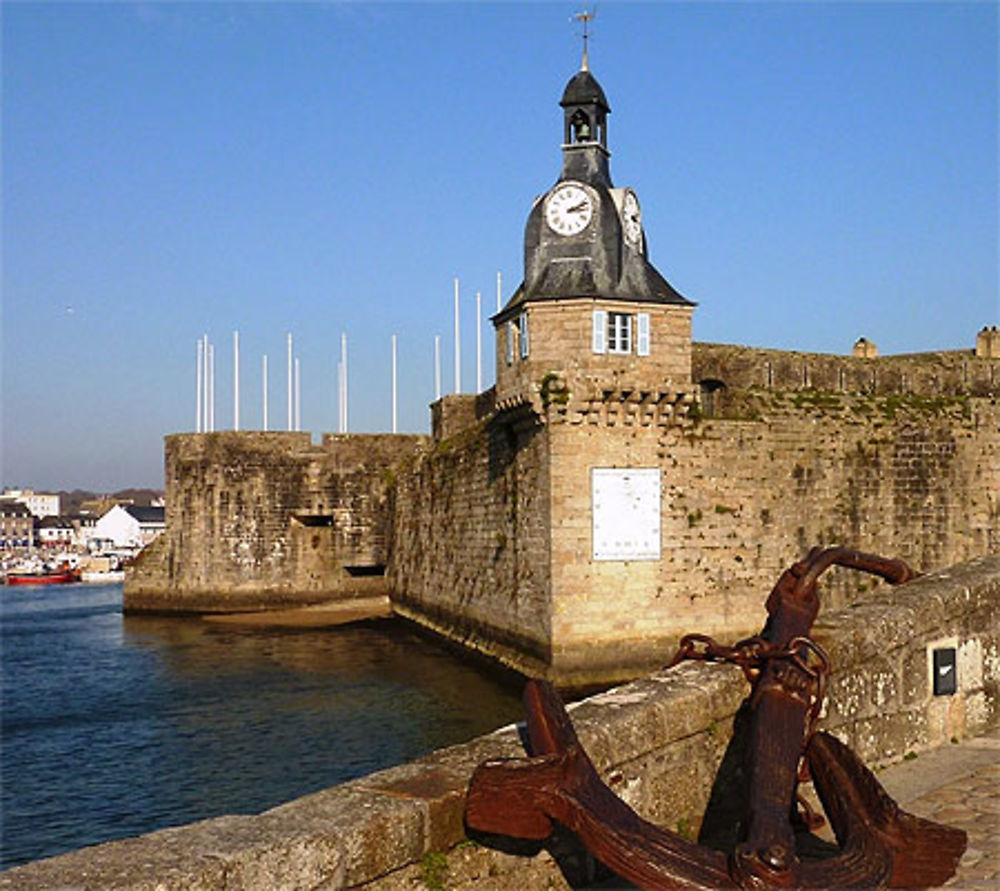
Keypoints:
(261, 520)
(720, 367)
(660, 742)
(471, 556)
(488, 535)
(494, 528)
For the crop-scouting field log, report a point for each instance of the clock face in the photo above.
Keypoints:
(569, 209)
(632, 219)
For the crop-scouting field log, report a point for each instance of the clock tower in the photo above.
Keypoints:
(591, 305)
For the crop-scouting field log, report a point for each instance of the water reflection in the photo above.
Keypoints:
(115, 726)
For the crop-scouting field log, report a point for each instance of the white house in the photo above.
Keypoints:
(130, 526)
(55, 532)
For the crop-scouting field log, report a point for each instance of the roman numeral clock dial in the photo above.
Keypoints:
(569, 209)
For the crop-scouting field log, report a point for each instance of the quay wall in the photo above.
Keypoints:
(265, 520)
(663, 743)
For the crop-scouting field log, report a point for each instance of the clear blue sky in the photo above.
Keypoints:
(809, 173)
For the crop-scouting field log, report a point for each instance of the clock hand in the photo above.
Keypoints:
(579, 208)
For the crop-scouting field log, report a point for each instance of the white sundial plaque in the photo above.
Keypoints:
(625, 504)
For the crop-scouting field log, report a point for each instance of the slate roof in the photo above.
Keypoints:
(146, 514)
(11, 508)
(583, 89)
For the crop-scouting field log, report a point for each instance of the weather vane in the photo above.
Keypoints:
(587, 16)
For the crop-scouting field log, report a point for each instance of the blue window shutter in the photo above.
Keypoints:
(600, 340)
(642, 335)
(523, 330)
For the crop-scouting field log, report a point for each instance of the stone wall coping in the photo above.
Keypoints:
(355, 833)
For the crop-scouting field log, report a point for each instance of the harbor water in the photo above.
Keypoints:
(114, 726)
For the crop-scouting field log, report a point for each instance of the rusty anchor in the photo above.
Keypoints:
(880, 845)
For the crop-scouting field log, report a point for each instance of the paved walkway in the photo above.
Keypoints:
(958, 785)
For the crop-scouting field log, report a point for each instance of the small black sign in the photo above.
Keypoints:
(945, 672)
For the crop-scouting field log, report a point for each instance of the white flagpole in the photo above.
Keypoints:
(197, 411)
(211, 388)
(458, 346)
(437, 367)
(394, 391)
(204, 384)
(340, 397)
(236, 380)
(263, 378)
(479, 342)
(298, 404)
(290, 381)
(343, 359)
(498, 290)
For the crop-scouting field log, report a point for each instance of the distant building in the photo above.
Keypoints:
(17, 525)
(40, 504)
(55, 532)
(84, 531)
(130, 526)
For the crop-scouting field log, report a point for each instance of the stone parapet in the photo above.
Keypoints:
(946, 373)
(658, 742)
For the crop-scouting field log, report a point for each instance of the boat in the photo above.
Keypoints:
(64, 575)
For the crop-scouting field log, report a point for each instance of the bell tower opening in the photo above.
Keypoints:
(580, 127)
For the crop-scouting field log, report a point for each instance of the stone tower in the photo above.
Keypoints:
(592, 309)
(593, 356)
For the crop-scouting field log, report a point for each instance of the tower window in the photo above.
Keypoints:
(619, 332)
(510, 343)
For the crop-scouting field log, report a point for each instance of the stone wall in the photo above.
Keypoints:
(741, 499)
(261, 520)
(560, 341)
(470, 553)
(659, 743)
(959, 372)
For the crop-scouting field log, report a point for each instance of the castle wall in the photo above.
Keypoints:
(742, 499)
(262, 520)
(493, 545)
(486, 536)
(470, 553)
(930, 374)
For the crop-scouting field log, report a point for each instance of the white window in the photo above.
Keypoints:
(619, 332)
(522, 330)
(600, 337)
(510, 343)
(642, 334)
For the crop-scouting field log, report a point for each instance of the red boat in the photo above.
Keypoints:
(63, 576)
